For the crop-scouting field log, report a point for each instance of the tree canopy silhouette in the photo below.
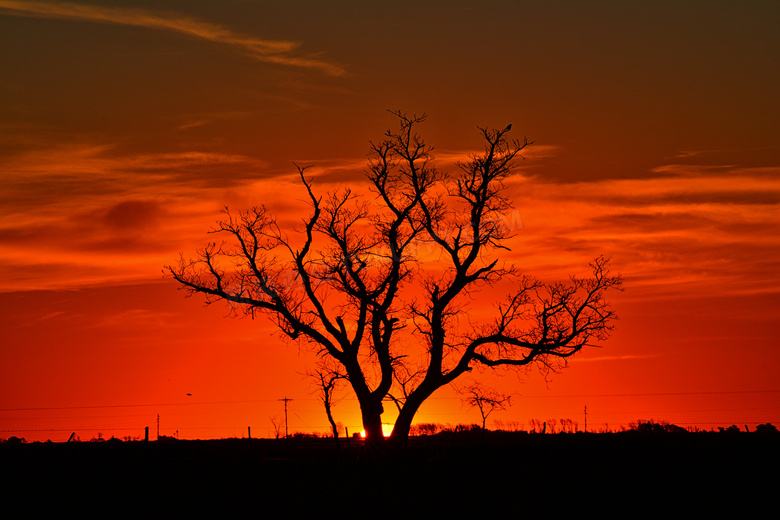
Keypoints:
(380, 286)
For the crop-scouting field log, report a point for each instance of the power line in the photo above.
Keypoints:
(193, 403)
(526, 396)
(643, 394)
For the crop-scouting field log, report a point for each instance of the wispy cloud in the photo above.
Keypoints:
(83, 215)
(88, 214)
(352, 169)
(135, 318)
(450, 158)
(692, 230)
(589, 359)
(278, 52)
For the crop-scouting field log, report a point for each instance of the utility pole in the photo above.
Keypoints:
(586, 418)
(286, 400)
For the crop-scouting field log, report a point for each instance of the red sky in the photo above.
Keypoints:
(127, 125)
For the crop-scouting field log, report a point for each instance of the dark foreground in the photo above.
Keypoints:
(512, 475)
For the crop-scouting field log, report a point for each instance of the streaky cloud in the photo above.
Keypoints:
(533, 151)
(585, 359)
(278, 52)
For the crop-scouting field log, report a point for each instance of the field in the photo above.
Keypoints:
(513, 475)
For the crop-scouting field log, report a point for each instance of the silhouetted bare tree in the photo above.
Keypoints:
(277, 422)
(486, 401)
(381, 285)
(327, 376)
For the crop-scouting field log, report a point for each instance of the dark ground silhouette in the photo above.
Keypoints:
(512, 474)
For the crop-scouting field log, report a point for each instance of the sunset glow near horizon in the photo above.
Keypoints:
(128, 125)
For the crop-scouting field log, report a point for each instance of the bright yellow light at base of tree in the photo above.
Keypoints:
(387, 429)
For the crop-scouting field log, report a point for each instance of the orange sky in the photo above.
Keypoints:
(127, 125)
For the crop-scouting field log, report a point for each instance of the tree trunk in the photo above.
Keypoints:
(333, 425)
(372, 421)
(403, 423)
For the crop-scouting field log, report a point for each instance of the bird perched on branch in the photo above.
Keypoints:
(508, 127)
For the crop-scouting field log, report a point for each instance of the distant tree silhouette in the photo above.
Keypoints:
(277, 423)
(327, 376)
(381, 285)
(569, 426)
(486, 401)
(426, 428)
(651, 426)
(766, 428)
